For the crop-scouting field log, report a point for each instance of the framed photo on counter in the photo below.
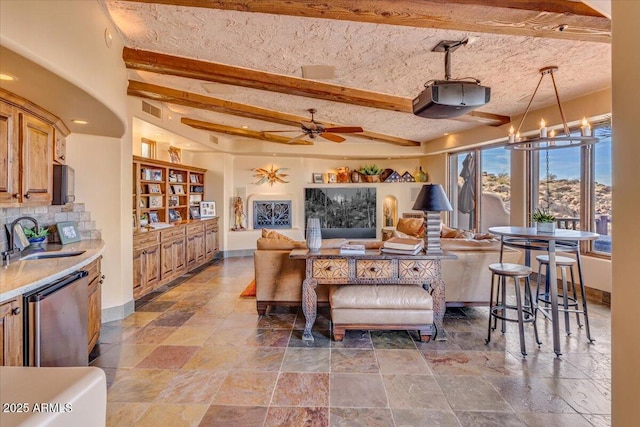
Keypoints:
(68, 232)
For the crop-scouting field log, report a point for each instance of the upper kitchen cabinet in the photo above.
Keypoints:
(27, 135)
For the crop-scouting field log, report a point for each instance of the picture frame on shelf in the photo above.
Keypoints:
(173, 177)
(174, 215)
(142, 203)
(153, 217)
(173, 201)
(195, 199)
(177, 189)
(332, 178)
(68, 232)
(154, 188)
(179, 177)
(194, 211)
(145, 174)
(155, 201)
(207, 209)
(156, 174)
(194, 179)
(317, 178)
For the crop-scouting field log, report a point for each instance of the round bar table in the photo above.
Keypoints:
(551, 238)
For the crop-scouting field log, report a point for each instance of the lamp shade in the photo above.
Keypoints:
(432, 198)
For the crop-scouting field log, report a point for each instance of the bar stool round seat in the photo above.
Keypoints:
(570, 303)
(525, 311)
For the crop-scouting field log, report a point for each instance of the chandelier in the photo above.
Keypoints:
(548, 139)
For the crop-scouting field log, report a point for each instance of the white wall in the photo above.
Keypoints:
(626, 205)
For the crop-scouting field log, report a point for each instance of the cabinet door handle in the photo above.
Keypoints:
(144, 252)
(102, 277)
(16, 310)
(27, 196)
(61, 157)
(15, 195)
(101, 281)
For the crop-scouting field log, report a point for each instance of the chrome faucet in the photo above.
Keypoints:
(6, 255)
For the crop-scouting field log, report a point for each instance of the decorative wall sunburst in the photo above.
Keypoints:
(271, 176)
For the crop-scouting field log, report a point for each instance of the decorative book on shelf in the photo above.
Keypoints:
(352, 250)
(401, 251)
(402, 243)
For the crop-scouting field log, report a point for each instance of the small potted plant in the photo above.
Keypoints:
(36, 236)
(371, 173)
(545, 222)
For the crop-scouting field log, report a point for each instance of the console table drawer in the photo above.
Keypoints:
(330, 269)
(374, 269)
(410, 269)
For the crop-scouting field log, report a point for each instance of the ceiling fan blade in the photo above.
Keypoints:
(281, 130)
(332, 137)
(297, 138)
(344, 129)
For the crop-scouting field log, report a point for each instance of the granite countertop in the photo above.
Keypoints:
(20, 277)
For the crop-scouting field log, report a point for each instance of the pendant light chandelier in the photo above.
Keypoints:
(547, 139)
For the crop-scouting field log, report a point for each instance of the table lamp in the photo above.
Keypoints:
(432, 200)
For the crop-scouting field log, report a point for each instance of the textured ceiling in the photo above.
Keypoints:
(383, 58)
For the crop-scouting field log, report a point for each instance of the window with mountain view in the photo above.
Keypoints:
(602, 176)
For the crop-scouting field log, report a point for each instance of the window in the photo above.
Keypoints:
(574, 184)
(148, 148)
(602, 198)
(494, 185)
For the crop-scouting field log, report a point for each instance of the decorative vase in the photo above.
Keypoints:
(546, 227)
(421, 176)
(371, 178)
(314, 237)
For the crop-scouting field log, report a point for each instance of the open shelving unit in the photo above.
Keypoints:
(163, 191)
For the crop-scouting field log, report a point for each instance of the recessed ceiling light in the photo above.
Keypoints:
(244, 127)
(158, 134)
(7, 77)
(274, 154)
(446, 133)
(79, 122)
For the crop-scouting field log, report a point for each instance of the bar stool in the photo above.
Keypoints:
(570, 303)
(525, 311)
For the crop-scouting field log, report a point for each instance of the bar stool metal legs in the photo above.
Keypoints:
(570, 303)
(525, 308)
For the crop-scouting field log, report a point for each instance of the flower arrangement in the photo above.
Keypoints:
(36, 236)
(370, 170)
(543, 216)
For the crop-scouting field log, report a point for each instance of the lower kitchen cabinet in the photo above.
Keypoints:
(96, 278)
(11, 332)
(160, 256)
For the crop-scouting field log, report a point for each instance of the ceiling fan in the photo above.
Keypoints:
(313, 129)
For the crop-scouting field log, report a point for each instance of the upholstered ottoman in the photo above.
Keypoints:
(391, 307)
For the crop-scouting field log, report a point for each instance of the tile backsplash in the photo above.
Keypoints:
(48, 216)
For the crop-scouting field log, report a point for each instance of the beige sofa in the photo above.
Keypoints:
(467, 279)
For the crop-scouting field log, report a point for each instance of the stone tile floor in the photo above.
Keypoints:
(198, 355)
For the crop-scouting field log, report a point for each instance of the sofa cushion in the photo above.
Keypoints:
(280, 244)
(470, 245)
(412, 226)
(393, 297)
(272, 234)
(454, 233)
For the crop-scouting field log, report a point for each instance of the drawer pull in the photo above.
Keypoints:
(102, 277)
(374, 269)
(415, 269)
(16, 310)
(328, 268)
(27, 196)
(15, 195)
(61, 157)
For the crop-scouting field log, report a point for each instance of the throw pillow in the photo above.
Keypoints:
(455, 233)
(271, 234)
(412, 226)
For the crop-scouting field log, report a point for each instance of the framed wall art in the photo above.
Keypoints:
(317, 178)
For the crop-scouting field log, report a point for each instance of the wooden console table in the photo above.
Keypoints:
(328, 266)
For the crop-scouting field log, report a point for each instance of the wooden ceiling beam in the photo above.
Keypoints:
(227, 74)
(194, 100)
(247, 133)
(536, 18)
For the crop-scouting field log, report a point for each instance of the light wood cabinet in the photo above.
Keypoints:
(9, 155)
(11, 333)
(210, 239)
(95, 280)
(146, 263)
(37, 166)
(60, 148)
(27, 134)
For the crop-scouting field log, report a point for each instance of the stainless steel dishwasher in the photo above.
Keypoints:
(55, 326)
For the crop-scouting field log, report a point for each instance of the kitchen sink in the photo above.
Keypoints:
(47, 255)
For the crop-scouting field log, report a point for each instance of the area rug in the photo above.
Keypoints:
(250, 290)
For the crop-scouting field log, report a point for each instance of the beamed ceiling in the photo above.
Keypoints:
(234, 68)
